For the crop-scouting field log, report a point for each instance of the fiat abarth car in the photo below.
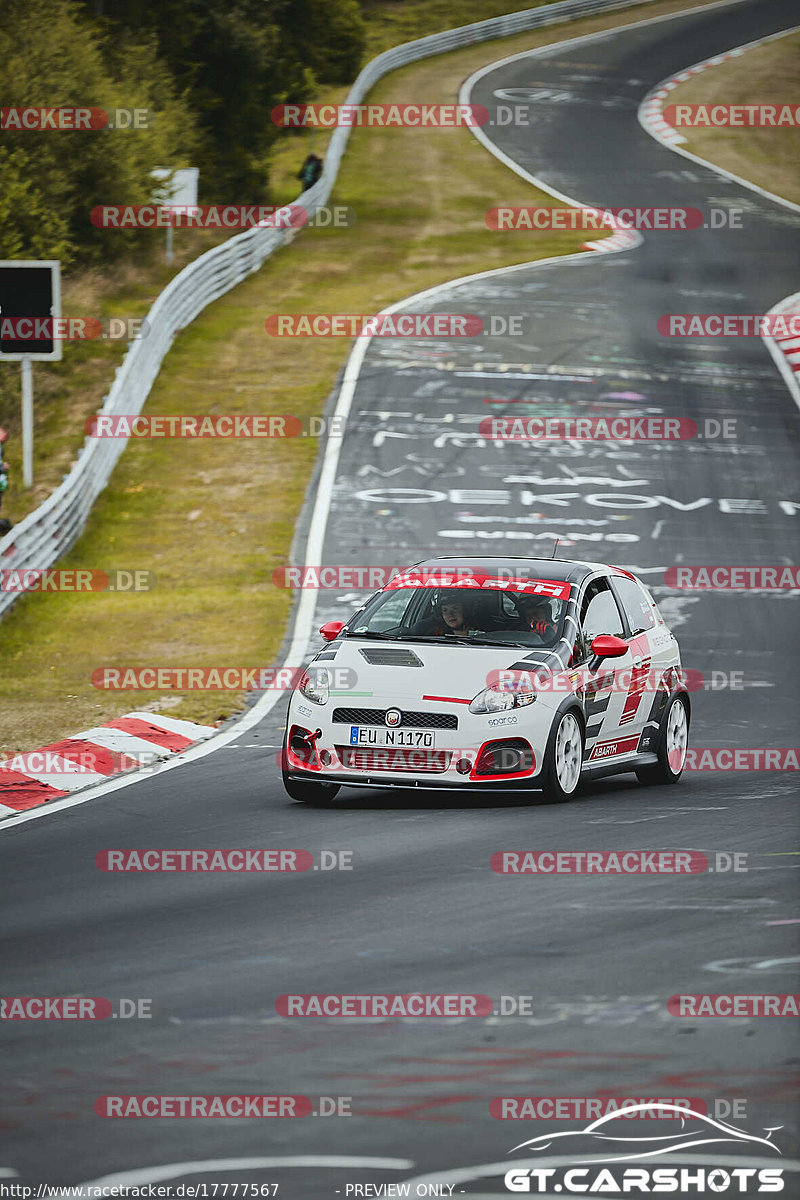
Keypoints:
(510, 674)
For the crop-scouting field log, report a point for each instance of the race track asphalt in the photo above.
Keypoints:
(421, 910)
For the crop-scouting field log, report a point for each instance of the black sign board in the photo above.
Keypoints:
(32, 291)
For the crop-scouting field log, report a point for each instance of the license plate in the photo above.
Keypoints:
(373, 735)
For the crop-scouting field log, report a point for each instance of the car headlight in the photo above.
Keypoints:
(501, 697)
(315, 685)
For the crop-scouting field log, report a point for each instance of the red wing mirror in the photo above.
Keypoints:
(607, 645)
(332, 630)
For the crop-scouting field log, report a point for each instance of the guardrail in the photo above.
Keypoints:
(51, 529)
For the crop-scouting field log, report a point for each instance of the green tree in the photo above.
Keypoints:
(51, 56)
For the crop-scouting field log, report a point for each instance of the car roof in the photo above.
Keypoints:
(568, 570)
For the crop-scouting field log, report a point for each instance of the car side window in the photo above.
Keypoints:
(638, 609)
(600, 612)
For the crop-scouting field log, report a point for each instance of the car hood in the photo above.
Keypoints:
(409, 671)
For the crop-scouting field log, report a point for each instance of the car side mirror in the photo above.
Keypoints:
(606, 645)
(332, 629)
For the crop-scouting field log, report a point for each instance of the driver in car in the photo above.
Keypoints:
(456, 613)
(537, 615)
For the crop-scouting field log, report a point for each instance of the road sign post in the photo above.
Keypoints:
(27, 422)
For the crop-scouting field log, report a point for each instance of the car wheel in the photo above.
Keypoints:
(563, 758)
(306, 792)
(673, 739)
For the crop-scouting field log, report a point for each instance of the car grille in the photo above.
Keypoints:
(408, 720)
(385, 758)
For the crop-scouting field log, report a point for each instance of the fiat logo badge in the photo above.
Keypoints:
(393, 716)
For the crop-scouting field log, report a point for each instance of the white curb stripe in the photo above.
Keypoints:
(171, 724)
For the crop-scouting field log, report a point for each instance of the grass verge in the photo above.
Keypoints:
(213, 519)
(768, 74)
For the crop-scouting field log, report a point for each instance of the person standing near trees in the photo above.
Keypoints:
(310, 171)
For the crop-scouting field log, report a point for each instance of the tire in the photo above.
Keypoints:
(563, 758)
(306, 792)
(673, 740)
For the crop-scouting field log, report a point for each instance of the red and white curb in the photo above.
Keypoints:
(136, 740)
(785, 350)
(623, 239)
(651, 110)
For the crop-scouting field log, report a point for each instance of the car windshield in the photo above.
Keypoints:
(486, 612)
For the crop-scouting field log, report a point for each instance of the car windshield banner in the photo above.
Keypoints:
(460, 577)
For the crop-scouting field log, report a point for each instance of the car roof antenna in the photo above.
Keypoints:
(555, 548)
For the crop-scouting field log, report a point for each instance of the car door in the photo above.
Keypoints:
(654, 653)
(605, 690)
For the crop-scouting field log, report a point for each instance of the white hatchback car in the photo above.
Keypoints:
(502, 674)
